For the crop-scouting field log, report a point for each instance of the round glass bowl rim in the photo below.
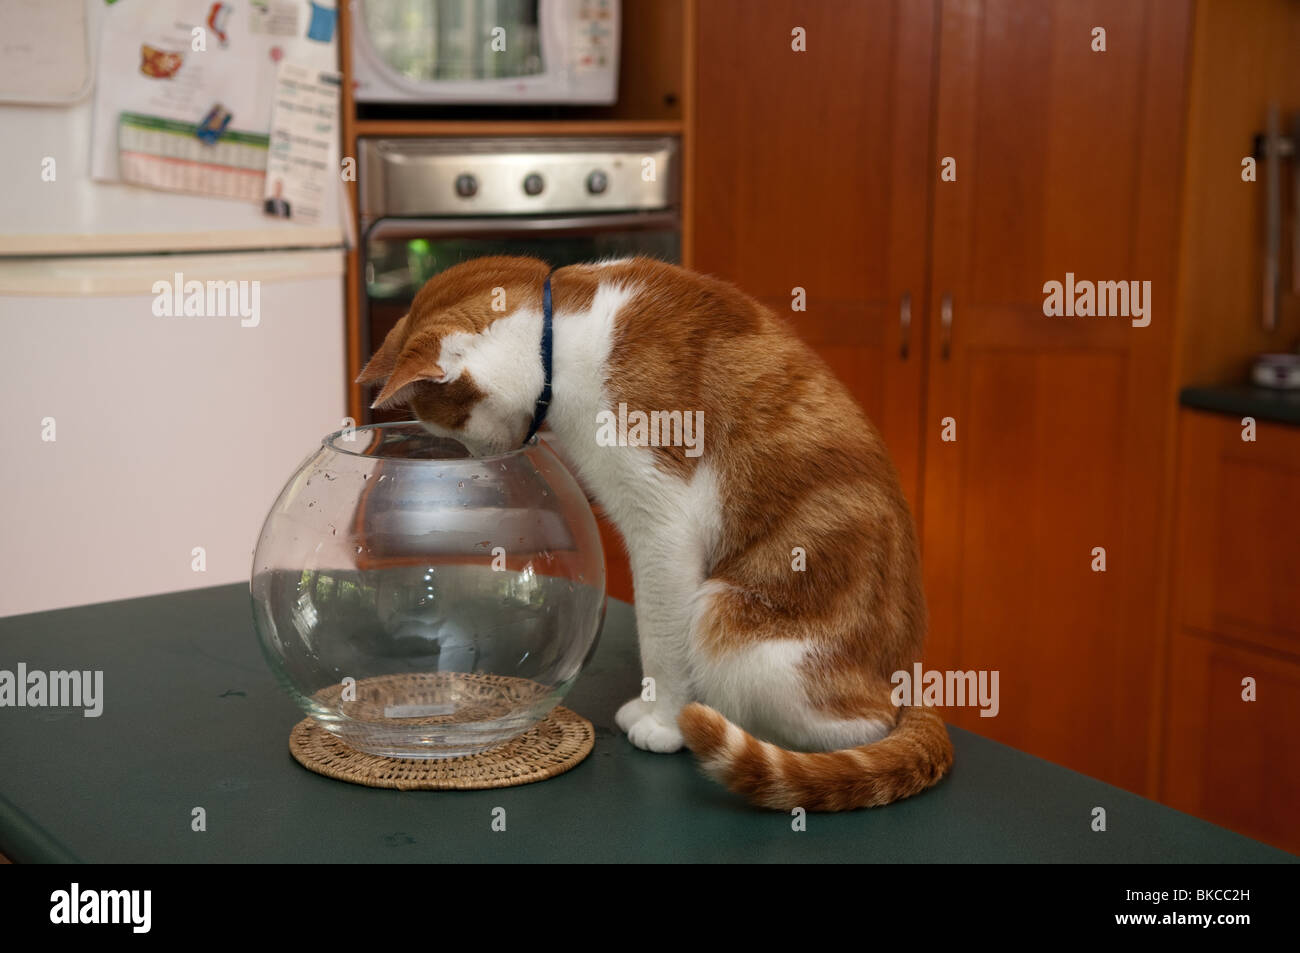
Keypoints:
(329, 442)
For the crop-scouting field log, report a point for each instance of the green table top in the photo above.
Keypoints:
(192, 717)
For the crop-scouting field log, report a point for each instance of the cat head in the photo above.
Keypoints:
(464, 359)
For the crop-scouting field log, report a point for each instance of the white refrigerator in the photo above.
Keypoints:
(140, 445)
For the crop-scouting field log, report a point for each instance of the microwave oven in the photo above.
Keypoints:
(485, 51)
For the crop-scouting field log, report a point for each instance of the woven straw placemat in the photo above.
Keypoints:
(559, 742)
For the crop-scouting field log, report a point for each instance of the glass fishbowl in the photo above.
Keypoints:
(419, 602)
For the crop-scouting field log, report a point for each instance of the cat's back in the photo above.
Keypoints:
(702, 339)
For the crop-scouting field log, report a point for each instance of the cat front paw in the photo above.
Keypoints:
(651, 734)
(649, 727)
(631, 713)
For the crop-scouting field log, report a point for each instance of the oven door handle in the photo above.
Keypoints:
(504, 226)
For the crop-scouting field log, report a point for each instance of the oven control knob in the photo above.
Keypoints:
(466, 185)
(597, 182)
(533, 184)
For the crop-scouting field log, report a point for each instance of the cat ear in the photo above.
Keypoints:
(411, 367)
(384, 360)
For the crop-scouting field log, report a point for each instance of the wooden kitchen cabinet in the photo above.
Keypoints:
(1238, 549)
(812, 170)
(822, 170)
(1065, 163)
(618, 568)
(1236, 616)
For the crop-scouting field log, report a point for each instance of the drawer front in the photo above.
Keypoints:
(1226, 759)
(1239, 531)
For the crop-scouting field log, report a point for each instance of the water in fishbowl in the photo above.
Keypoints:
(424, 659)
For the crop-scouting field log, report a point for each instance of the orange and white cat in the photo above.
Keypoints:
(775, 565)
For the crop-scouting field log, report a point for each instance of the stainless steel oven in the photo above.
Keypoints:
(427, 204)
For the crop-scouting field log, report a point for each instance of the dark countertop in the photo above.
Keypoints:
(192, 717)
(1245, 400)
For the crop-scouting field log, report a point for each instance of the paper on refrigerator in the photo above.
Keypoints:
(302, 169)
(168, 63)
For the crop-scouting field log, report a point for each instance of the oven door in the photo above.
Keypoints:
(401, 254)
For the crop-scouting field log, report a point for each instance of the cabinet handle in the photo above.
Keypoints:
(905, 323)
(1272, 219)
(945, 326)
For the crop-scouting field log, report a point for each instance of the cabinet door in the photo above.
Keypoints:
(811, 171)
(1238, 555)
(1066, 161)
(1226, 759)
(1236, 615)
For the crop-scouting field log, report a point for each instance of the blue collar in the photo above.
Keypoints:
(544, 399)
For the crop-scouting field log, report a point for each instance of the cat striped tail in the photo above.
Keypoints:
(911, 758)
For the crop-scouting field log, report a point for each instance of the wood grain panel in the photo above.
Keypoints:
(812, 170)
(1054, 148)
(651, 68)
(353, 358)
(1245, 54)
(1038, 481)
(618, 569)
(1226, 759)
(1062, 422)
(1238, 571)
